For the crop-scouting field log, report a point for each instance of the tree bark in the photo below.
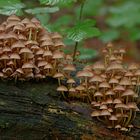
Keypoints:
(34, 111)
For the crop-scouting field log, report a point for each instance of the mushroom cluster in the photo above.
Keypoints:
(116, 90)
(111, 87)
(28, 51)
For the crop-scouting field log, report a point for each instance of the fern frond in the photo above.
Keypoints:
(54, 2)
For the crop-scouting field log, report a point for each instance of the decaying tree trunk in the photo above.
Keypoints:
(34, 111)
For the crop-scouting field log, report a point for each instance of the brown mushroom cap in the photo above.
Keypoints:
(118, 126)
(35, 21)
(22, 37)
(48, 66)
(15, 56)
(92, 87)
(104, 85)
(62, 88)
(47, 43)
(133, 66)
(19, 70)
(18, 44)
(103, 107)
(121, 105)
(59, 44)
(96, 79)
(132, 105)
(125, 82)
(117, 101)
(98, 94)
(4, 57)
(42, 63)
(11, 35)
(119, 88)
(18, 27)
(47, 53)
(122, 51)
(115, 66)
(128, 92)
(137, 73)
(113, 81)
(6, 49)
(109, 101)
(13, 18)
(129, 74)
(58, 55)
(30, 25)
(98, 66)
(110, 92)
(113, 118)
(56, 36)
(72, 90)
(71, 81)
(80, 88)
(45, 37)
(58, 75)
(95, 113)
(69, 67)
(105, 113)
(25, 50)
(27, 65)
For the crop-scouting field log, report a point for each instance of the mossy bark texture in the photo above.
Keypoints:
(34, 111)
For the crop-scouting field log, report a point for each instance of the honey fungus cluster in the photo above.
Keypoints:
(28, 51)
(111, 87)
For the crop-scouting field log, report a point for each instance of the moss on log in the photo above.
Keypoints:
(34, 111)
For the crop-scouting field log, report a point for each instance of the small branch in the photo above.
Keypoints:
(76, 43)
(75, 50)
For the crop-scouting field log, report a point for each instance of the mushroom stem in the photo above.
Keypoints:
(30, 34)
(98, 117)
(113, 123)
(16, 78)
(24, 57)
(18, 32)
(129, 117)
(86, 82)
(15, 63)
(63, 95)
(97, 86)
(35, 37)
(127, 99)
(59, 82)
(105, 61)
(133, 117)
(54, 64)
(5, 63)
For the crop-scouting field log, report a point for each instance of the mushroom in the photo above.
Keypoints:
(62, 89)
(59, 76)
(15, 57)
(30, 26)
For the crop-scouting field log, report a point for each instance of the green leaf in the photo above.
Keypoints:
(61, 24)
(54, 2)
(134, 34)
(91, 8)
(83, 30)
(43, 18)
(12, 8)
(4, 3)
(40, 10)
(109, 35)
(126, 14)
(87, 53)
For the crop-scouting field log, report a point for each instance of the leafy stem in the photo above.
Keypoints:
(80, 18)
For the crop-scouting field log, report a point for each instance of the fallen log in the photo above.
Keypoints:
(34, 111)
